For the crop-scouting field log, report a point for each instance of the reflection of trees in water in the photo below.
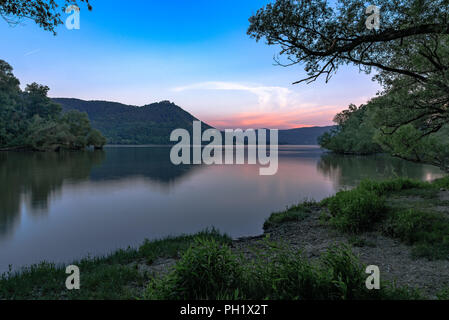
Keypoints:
(349, 170)
(37, 176)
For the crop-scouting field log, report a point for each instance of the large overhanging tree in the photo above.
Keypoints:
(46, 13)
(410, 50)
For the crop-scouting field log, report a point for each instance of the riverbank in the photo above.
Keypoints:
(399, 225)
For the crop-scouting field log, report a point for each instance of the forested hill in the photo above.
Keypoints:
(304, 136)
(125, 124)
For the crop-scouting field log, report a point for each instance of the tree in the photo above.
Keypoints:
(31, 120)
(325, 37)
(37, 103)
(410, 52)
(79, 127)
(10, 112)
(96, 139)
(354, 133)
(44, 12)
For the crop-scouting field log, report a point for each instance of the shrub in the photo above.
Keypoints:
(428, 231)
(207, 270)
(355, 210)
(282, 274)
(347, 277)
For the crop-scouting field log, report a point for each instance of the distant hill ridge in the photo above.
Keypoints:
(126, 124)
(153, 123)
(304, 136)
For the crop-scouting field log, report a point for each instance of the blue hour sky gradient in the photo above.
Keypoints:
(194, 53)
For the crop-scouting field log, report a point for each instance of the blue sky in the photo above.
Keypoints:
(195, 53)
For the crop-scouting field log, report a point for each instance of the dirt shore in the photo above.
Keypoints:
(393, 258)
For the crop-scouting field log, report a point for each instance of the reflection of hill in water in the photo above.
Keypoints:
(349, 170)
(151, 163)
(33, 178)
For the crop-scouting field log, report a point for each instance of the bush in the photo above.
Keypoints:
(207, 270)
(428, 231)
(356, 210)
(282, 274)
(347, 274)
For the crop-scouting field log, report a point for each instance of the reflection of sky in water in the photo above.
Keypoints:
(63, 208)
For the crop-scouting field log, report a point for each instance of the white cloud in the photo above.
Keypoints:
(32, 52)
(268, 97)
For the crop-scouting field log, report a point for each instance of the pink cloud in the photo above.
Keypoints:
(277, 120)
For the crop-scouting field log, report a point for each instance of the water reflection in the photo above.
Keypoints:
(34, 179)
(31, 179)
(346, 171)
(95, 202)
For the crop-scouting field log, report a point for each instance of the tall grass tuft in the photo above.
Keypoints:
(355, 211)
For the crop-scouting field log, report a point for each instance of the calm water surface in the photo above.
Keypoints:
(60, 207)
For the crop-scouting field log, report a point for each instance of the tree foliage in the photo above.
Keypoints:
(324, 36)
(354, 133)
(44, 12)
(31, 120)
(409, 52)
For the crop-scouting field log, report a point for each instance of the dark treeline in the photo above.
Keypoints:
(32, 121)
(360, 131)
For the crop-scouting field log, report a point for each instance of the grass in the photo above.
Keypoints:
(443, 294)
(356, 210)
(294, 213)
(209, 270)
(405, 209)
(428, 232)
(115, 276)
(409, 215)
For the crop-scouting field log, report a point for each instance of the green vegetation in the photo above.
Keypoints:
(443, 294)
(44, 13)
(115, 276)
(359, 133)
(409, 52)
(427, 231)
(125, 124)
(409, 210)
(293, 213)
(31, 120)
(356, 210)
(209, 270)
(365, 208)
(353, 134)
